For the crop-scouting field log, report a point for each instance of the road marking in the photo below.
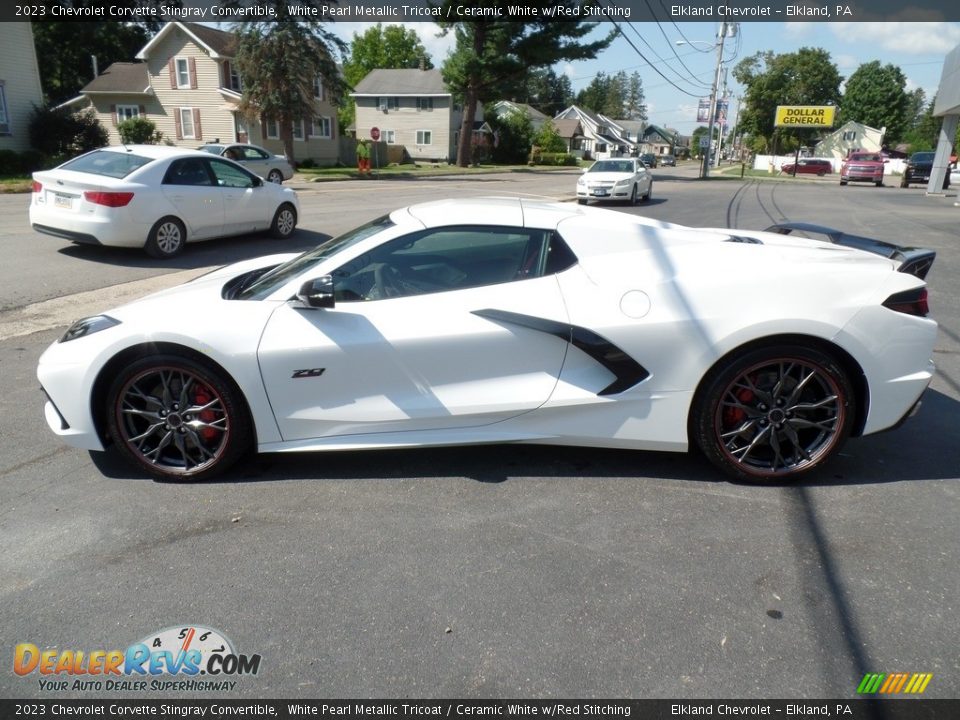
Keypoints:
(60, 312)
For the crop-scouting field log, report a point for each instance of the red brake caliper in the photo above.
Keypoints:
(201, 396)
(734, 416)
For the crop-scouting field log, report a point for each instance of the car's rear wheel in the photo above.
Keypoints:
(774, 413)
(284, 222)
(275, 176)
(177, 419)
(166, 239)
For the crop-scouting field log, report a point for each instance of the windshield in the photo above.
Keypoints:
(106, 162)
(212, 149)
(281, 274)
(621, 166)
(868, 157)
(922, 157)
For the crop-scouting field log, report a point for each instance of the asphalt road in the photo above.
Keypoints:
(505, 571)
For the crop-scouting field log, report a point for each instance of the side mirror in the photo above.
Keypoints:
(317, 293)
(258, 182)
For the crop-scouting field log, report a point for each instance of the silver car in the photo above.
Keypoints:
(254, 158)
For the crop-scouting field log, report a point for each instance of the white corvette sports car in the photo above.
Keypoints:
(505, 320)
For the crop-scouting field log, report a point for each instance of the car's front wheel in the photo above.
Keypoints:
(176, 418)
(772, 414)
(633, 195)
(166, 239)
(284, 222)
(649, 193)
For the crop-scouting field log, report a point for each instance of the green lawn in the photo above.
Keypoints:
(418, 170)
(15, 184)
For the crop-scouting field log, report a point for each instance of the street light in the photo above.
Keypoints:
(705, 168)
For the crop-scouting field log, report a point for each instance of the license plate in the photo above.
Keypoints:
(63, 201)
(600, 193)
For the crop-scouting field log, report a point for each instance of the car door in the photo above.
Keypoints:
(255, 160)
(246, 206)
(440, 329)
(192, 191)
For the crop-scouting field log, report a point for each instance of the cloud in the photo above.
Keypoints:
(911, 38)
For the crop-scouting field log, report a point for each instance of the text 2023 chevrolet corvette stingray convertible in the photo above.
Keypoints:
(506, 320)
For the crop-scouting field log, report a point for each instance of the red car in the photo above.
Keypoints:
(862, 167)
(810, 166)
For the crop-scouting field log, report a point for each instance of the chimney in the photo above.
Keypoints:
(93, 59)
(423, 63)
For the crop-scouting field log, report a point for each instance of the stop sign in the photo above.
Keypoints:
(375, 133)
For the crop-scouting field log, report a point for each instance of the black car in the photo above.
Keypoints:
(918, 170)
(649, 159)
(666, 160)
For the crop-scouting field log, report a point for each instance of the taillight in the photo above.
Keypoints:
(911, 302)
(37, 187)
(110, 199)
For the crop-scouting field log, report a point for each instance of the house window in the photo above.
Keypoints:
(425, 103)
(4, 116)
(186, 124)
(424, 137)
(320, 127)
(235, 82)
(389, 136)
(850, 135)
(319, 91)
(298, 129)
(273, 130)
(127, 112)
(387, 103)
(183, 73)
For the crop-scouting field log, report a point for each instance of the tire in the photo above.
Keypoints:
(147, 420)
(879, 183)
(773, 414)
(903, 182)
(275, 176)
(581, 201)
(843, 182)
(646, 197)
(166, 239)
(284, 222)
(633, 195)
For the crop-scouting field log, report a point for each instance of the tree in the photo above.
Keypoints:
(548, 139)
(139, 131)
(281, 59)
(514, 136)
(66, 49)
(548, 92)
(393, 46)
(875, 95)
(492, 57)
(634, 107)
(805, 77)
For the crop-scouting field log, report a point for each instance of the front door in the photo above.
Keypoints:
(417, 339)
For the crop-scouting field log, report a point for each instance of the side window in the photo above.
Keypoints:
(228, 175)
(188, 171)
(443, 259)
(252, 153)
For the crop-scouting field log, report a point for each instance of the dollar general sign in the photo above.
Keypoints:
(805, 115)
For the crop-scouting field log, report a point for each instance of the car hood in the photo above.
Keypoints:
(196, 293)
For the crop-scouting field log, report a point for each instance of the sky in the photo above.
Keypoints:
(917, 48)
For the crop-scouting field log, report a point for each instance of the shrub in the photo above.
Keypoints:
(552, 158)
(10, 163)
(307, 163)
(59, 132)
(139, 131)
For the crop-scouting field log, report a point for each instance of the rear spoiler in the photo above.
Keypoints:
(913, 261)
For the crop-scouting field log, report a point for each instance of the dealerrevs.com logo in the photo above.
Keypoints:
(185, 657)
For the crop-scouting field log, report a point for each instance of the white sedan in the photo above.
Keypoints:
(158, 198)
(509, 321)
(625, 179)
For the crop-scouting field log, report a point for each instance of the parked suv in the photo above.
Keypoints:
(649, 159)
(811, 166)
(862, 167)
(919, 168)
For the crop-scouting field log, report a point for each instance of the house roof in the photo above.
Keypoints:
(121, 77)
(401, 82)
(634, 127)
(530, 111)
(568, 128)
(657, 130)
(219, 43)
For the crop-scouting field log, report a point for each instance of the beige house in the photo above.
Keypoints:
(20, 86)
(849, 136)
(186, 84)
(412, 108)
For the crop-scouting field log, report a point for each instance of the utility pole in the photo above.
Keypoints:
(713, 99)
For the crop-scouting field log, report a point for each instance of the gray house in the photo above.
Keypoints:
(412, 108)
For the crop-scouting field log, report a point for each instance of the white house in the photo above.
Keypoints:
(849, 136)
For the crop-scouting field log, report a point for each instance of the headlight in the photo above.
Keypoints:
(581, 181)
(88, 326)
(625, 181)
